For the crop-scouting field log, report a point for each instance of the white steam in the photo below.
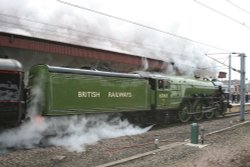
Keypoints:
(73, 133)
(56, 21)
(35, 99)
(81, 132)
(26, 136)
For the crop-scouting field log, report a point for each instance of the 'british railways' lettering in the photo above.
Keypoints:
(119, 94)
(88, 94)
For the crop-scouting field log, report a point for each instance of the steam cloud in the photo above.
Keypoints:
(73, 133)
(88, 131)
(59, 22)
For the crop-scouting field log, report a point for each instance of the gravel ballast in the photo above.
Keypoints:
(230, 147)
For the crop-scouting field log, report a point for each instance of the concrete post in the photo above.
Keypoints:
(194, 133)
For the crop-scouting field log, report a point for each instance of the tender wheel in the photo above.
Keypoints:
(198, 105)
(184, 111)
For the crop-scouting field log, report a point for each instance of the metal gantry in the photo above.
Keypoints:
(242, 80)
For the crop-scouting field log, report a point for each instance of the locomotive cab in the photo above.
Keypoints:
(162, 94)
(167, 92)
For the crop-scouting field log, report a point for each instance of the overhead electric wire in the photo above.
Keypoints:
(140, 24)
(218, 12)
(237, 6)
(233, 54)
(234, 69)
(204, 68)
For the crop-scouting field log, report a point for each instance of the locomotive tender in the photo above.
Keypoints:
(142, 96)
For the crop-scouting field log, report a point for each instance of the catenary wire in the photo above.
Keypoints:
(224, 15)
(141, 25)
(237, 6)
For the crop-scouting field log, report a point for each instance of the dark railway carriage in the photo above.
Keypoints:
(12, 95)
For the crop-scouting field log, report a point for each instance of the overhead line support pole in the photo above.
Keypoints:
(229, 78)
(242, 86)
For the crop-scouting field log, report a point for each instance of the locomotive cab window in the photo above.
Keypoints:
(163, 84)
(160, 84)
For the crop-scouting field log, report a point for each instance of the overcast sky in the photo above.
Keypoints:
(183, 30)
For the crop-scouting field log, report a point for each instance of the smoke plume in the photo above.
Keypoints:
(60, 22)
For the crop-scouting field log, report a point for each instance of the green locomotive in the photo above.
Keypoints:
(140, 96)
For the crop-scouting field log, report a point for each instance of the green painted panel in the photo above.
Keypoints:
(59, 93)
(38, 89)
(163, 99)
(86, 93)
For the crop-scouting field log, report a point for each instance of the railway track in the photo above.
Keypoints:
(234, 111)
(179, 137)
(163, 150)
(107, 152)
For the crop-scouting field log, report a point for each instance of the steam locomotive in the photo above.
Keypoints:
(139, 96)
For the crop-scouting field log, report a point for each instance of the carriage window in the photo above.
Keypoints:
(160, 84)
(9, 84)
